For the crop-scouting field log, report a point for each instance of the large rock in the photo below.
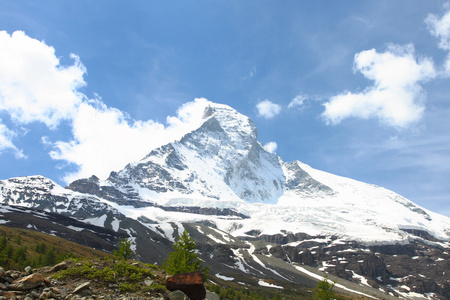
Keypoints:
(27, 283)
(211, 296)
(61, 266)
(190, 284)
(10, 295)
(82, 287)
(177, 295)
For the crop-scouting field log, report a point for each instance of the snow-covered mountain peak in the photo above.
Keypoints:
(221, 159)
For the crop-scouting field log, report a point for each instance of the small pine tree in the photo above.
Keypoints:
(276, 296)
(50, 257)
(41, 248)
(324, 290)
(20, 255)
(183, 258)
(125, 252)
(8, 251)
(3, 243)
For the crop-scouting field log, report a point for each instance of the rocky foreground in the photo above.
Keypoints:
(93, 280)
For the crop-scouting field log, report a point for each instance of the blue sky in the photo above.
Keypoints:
(356, 88)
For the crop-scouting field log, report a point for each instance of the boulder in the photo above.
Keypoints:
(27, 283)
(211, 296)
(10, 295)
(61, 266)
(190, 284)
(81, 287)
(177, 295)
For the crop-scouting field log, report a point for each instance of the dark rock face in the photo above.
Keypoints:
(85, 234)
(422, 234)
(91, 186)
(301, 182)
(280, 239)
(204, 211)
(191, 284)
(422, 267)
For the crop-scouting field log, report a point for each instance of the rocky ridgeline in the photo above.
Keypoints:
(42, 284)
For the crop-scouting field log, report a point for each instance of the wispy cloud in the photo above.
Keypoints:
(396, 97)
(251, 74)
(298, 101)
(6, 142)
(267, 109)
(440, 28)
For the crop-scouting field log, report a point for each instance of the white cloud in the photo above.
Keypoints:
(267, 109)
(33, 85)
(6, 143)
(298, 100)
(271, 147)
(440, 28)
(105, 139)
(396, 97)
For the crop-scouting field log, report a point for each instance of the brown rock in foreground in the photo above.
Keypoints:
(27, 283)
(190, 284)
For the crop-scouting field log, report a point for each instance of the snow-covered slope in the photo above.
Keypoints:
(359, 210)
(42, 193)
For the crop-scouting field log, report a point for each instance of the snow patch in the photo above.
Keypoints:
(361, 279)
(224, 277)
(266, 284)
(115, 224)
(75, 228)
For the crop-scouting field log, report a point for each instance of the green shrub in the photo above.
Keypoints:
(128, 287)
(131, 272)
(121, 271)
(156, 287)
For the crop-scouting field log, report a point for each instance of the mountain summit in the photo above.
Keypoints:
(220, 160)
